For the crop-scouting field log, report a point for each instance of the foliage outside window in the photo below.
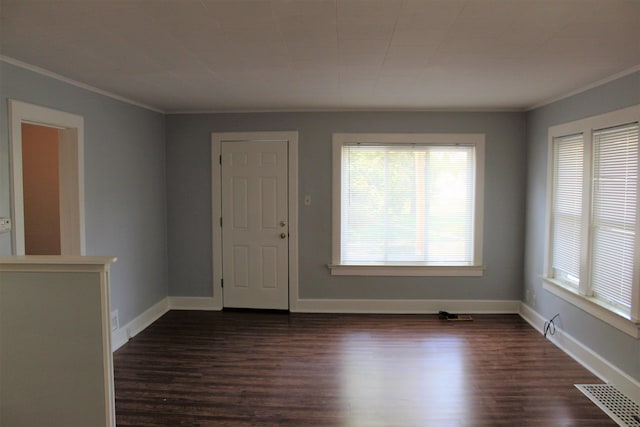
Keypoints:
(407, 200)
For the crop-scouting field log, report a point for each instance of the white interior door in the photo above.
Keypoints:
(255, 236)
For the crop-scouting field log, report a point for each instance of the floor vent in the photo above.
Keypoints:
(614, 403)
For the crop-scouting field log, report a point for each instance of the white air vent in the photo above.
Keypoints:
(614, 403)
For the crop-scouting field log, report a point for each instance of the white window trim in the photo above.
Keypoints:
(592, 306)
(477, 269)
(579, 297)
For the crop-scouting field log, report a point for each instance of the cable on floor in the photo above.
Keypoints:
(550, 327)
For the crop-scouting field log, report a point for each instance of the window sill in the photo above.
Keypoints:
(594, 307)
(406, 270)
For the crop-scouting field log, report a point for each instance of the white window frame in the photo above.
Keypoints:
(581, 296)
(476, 269)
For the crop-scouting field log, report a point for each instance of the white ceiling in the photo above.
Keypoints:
(256, 55)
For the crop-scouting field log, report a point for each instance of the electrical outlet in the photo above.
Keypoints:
(534, 301)
(5, 225)
(115, 321)
(527, 296)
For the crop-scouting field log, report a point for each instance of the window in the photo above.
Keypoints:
(567, 207)
(407, 204)
(593, 222)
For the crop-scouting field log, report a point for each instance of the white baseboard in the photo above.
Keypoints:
(120, 336)
(599, 366)
(406, 306)
(193, 303)
(595, 363)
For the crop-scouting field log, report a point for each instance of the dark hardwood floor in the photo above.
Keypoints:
(275, 369)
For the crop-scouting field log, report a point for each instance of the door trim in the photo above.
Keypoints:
(216, 205)
(72, 230)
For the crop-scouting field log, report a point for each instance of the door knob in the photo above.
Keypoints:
(283, 235)
(282, 223)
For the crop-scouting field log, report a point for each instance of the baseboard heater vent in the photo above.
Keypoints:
(614, 403)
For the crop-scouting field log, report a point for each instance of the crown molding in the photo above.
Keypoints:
(76, 83)
(585, 88)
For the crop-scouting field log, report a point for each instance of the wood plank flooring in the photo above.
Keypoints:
(240, 369)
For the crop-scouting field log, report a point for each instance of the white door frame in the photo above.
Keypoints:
(72, 233)
(216, 206)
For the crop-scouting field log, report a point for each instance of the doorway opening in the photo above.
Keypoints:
(47, 185)
(41, 189)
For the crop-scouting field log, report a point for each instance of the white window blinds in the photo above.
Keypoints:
(567, 207)
(407, 204)
(614, 201)
(593, 241)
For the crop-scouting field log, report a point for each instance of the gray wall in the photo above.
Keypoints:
(189, 201)
(125, 188)
(51, 350)
(130, 174)
(618, 348)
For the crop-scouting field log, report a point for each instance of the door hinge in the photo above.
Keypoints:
(220, 222)
(220, 159)
(222, 283)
